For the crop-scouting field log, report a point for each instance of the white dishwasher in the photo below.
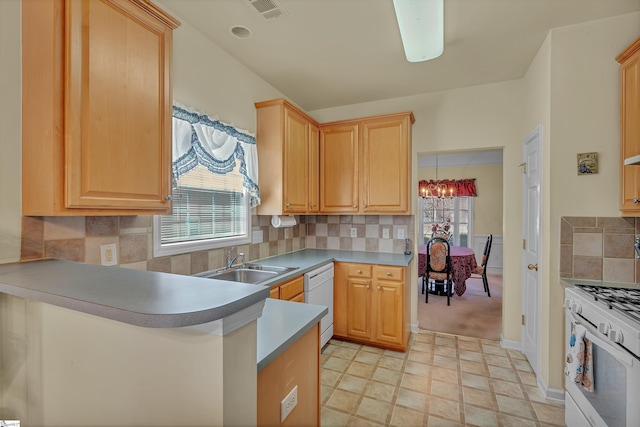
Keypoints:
(318, 289)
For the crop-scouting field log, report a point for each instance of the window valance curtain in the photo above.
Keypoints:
(199, 139)
(461, 187)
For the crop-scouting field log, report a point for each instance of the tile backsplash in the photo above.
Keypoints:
(374, 233)
(79, 239)
(599, 248)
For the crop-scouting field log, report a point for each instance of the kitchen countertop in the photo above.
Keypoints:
(570, 282)
(309, 259)
(160, 300)
(283, 323)
(142, 298)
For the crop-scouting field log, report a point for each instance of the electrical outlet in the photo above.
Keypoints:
(288, 403)
(287, 233)
(385, 233)
(401, 234)
(354, 232)
(108, 254)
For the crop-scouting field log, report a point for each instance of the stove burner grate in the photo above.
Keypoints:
(622, 300)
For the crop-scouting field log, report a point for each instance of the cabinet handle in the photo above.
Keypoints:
(367, 286)
(359, 271)
(355, 206)
(388, 274)
(364, 205)
(378, 287)
(311, 205)
(168, 197)
(288, 204)
(636, 200)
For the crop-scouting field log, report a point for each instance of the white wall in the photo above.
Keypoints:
(585, 114)
(479, 117)
(10, 133)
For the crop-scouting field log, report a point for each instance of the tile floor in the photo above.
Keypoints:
(442, 380)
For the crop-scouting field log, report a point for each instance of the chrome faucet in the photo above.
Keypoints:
(231, 258)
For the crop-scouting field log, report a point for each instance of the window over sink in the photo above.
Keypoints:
(215, 168)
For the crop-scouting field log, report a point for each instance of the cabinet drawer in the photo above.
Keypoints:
(274, 292)
(359, 270)
(388, 272)
(298, 298)
(292, 288)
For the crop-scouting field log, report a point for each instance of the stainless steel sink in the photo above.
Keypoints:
(244, 275)
(248, 273)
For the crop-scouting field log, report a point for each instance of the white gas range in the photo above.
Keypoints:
(611, 318)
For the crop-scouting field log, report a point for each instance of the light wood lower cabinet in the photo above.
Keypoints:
(369, 304)
(298, 366)
(293, 290)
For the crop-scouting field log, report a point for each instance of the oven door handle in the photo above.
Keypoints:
(594, 336)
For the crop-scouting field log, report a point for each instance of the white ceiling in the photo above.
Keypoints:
(328, 53)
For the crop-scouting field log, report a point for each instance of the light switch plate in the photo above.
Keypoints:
(354, 232)
(401, 233)
(385, 233)
(257, 236)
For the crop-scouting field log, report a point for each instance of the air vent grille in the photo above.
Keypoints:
(269, 9)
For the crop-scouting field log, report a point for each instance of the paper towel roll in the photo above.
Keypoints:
(283, 221)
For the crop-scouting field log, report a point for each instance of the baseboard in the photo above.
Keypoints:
(554, 394)
(510, 344)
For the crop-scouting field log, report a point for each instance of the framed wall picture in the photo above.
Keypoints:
(587, 163)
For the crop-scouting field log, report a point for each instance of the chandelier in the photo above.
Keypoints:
(438, 204)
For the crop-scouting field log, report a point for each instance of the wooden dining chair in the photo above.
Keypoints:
(480, 272)
(439, 266)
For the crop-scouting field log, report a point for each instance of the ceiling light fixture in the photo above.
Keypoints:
(421, 25)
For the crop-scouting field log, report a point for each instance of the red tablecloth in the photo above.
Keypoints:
(463, 261)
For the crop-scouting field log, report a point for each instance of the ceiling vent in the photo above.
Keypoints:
(269, 9)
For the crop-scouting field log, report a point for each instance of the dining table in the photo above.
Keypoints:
(463, 262)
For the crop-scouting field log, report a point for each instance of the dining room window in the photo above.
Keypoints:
(457, 212)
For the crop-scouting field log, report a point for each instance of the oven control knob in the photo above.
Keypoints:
(567, 303)
(616, 336)
(604, 328)
(576, 307)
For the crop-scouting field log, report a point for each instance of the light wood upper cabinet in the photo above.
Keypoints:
(365, 165)
(339, 177)
(287, 141)
(629, 61)
(96, 107)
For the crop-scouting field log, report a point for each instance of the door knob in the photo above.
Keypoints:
(533, 267)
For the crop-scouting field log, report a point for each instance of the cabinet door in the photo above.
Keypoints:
(359, 308)
(340, 303)
(314, 168)
(388, 311)
(118, 106)
(295, 162)
(385, 165)
(339, 169)
(630, 132)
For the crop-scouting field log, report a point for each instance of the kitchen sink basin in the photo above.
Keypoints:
(244, 275)
(248, 273)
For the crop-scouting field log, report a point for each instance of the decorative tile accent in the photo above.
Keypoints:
(599, 248)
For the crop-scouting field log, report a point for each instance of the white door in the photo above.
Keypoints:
(532, 149)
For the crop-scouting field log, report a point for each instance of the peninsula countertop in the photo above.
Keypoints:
(142, 298)
(160, 300)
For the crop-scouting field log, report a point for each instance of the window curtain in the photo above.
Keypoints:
(199, 139)
(461, 187)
